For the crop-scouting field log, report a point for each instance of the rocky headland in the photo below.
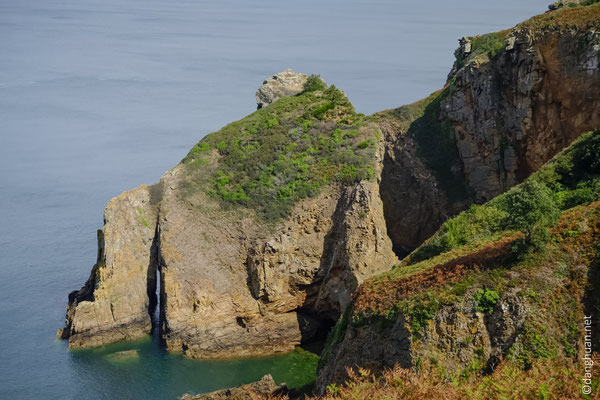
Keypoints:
(305, 213)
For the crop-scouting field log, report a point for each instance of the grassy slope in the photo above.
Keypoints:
(278, 155)
(540, 239)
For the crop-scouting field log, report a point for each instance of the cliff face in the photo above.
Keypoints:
(263, 233)
(113, 305)
(507, 282)
(249, 265)
(513, 100)
(513, 112)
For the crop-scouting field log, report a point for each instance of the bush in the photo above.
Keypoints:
(485, 300)
(422, 312)
(314, 83)
(491, 43)
(528, 205)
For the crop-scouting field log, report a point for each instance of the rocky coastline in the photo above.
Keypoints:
(354, 195)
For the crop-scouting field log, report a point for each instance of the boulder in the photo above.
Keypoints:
(262, 388)
(284, 84)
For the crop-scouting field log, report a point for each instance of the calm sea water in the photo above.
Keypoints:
(99, 96)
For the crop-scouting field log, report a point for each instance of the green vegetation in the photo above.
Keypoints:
(422, 312)
(570, 179)
(486, 300)
(557, 213)
(314, 83)
(532, 346)
(296, 369)
(491, 43)
(283, 153)
(142, 219)
(488, 45)
(587, 16)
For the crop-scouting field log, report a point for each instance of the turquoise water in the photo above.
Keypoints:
(99, 96)
(177, 374)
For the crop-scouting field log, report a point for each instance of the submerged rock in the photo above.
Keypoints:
(125, 355)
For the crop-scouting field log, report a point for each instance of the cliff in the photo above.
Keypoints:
(509, 281)
(504, 283)
(259, 236)
(265, 231)
(513, 100)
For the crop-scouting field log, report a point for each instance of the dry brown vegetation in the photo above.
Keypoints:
(545, 380)
(388, 290)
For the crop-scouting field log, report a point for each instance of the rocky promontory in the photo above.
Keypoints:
(272, 228)
(260, 236)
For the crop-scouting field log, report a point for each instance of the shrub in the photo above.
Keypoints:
(491, 43)
(528, 205)
(422, 312)
(485, 300)
(314, 83)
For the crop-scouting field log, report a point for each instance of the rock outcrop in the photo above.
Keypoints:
(233, 284)
(283, 84)
(515, 110)
(497, 298)
(563, 3)
(256, 390)
(513, 100)
(114, 303)
(453, 338)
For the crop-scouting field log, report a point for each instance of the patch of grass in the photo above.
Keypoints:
(142, 219)
(409, 268)
(587, 17)
(488, 45)
(475, 224)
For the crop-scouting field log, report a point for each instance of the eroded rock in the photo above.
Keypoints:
(283, 84)
(255, 390)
